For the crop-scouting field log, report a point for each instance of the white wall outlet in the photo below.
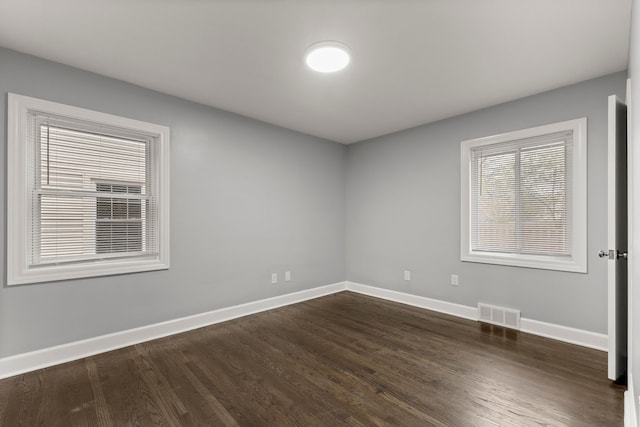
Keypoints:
(274, 278)
(454, 280)
(287, 276)
(407, 275)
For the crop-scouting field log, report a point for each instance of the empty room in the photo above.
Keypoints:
(319, 213)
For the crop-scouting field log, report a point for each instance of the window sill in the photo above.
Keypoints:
(51, 273)
(527, 261)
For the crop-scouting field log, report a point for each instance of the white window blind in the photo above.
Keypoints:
(521, 196)
(524, 198)
(88, 193)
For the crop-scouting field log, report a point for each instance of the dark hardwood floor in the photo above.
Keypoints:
(344, 359)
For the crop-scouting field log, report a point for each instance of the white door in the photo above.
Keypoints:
(617, 239)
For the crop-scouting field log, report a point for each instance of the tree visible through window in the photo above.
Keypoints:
(521, 201)
(524, 198)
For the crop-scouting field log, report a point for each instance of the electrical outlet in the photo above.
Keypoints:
(287, 276)
(407, 275)
(454, 280)
(274, 278)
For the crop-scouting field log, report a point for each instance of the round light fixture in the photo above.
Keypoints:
(327, 56)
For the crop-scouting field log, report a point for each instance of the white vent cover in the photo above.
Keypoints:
(499, 316)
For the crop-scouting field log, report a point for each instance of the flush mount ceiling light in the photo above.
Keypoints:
(327, 56)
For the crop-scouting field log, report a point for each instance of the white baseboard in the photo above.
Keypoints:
(630, 399)
(548, 330)
(564, 333)
(25, 362)
(415, 300)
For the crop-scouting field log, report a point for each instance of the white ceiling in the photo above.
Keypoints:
(413, 62)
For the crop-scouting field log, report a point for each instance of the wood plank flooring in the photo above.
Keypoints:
(344, 359)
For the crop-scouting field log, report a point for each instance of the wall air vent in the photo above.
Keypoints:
(499, 316)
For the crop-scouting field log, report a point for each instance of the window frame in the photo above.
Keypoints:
(20, 208)
(577, 262)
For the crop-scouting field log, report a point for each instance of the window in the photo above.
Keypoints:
(524, 198)
(119, 222)
(87, 191)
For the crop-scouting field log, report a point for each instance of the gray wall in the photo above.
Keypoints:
(634, 246)
(247, 199)
(403, 211)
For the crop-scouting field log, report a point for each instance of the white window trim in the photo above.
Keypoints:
(578, 260)
(19, 206)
